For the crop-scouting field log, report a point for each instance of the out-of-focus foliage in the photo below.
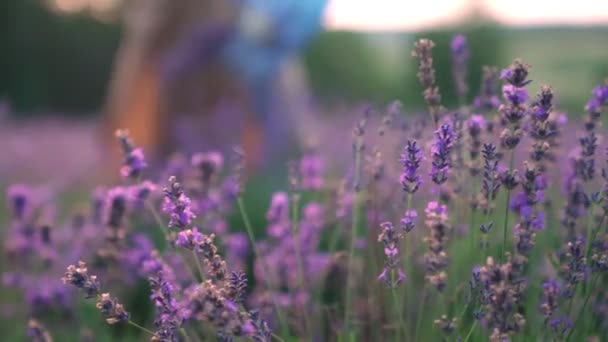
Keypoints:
(51, 62)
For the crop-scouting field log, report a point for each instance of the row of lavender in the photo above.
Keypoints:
(515, 244)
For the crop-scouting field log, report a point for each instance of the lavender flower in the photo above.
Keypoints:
(168, 318)
(550, 303)
(514, 110)
(116, 207)
(436, 259)
(37, 332)
(595, 105)
(490, 184)
(19, 199)
(441, 149)
(475, 126)
(262, 330)
(408, 222)
(446, 325)
(426, 75)
(278, 216)
(207, 302)
(237, 285)
(573, 265)
(134, 162)
(560, 327)
(311, 171)
(138, 194)
(79, 277)
(207, 165)
(390, 238)
(488, 100)
(110, 307)
(410, 159)
(460, 58)
(542, 131)
(177, 205)
(505, 290)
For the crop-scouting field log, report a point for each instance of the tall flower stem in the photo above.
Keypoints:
(185, 335)
(466, 339)
(506, 221)
(356, 213)
(131, 323)
(405, 260)
(420, 313)
(593, 235)
(300, 263)
(582, 310)
(159, 221)
(256, 251)
(400, 322)
(165, 231)
(199, 267)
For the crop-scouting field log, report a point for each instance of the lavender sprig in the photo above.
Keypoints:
(410, 160)
(134, 162)
(488, 100)
(390, 238)
(441, 149)
(426, 75)
(460, 56)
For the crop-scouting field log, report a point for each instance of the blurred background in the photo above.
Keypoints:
(180, 74)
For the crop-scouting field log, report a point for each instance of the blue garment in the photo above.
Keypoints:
(270, 30)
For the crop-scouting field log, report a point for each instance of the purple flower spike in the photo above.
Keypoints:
(408, 222)
(134, 162)
(208, 166)
(390, 238)
(460, 58)
(311, 171)
(279, 208)
(441, 149)
(514, 94)
(19, 199)
(177, 205)
(487, 99)
(410, 159)
(189, 238)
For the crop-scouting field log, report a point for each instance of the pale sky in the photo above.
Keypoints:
(411, 15)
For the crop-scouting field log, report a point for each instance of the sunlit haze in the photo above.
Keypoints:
(400, 15)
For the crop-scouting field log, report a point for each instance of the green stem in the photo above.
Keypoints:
(256, 251)
(593, 236)
(353, 232)
(140, 327)
(300, 264)
(582, 310)
(159, 221)
(420, 313)
(400, 322)
(506, 221)
(406, 263)
(277, 337)
(165, 231)
(184, 334)
(466, 339)
(199, 267)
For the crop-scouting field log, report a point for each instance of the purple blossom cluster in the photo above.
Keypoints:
(390, 238)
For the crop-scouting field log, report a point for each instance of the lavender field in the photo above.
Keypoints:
(480, 216)
(481, 222)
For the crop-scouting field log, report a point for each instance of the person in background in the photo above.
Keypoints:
(185, 68)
